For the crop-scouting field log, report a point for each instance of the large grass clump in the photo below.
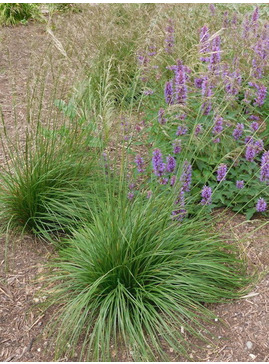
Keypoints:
(133, 277)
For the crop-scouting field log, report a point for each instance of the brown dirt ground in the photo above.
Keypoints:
(241, 326)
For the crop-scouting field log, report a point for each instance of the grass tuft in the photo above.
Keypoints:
(133, 277)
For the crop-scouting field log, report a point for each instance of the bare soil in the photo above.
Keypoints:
(241, 326)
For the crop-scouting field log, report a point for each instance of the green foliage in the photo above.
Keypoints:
(14, 13)
(133, 277)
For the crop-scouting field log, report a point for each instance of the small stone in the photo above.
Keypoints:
(39, 349)
(216, 319)
(252, 356)
(249, 345)
(171, 350)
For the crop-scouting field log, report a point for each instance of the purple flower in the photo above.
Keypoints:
(170, 164)
(251, 152)
(248, 139)
(198, 82)
(216, 140)
(204, 44)
(259, 145)
(218, 126)
(173, 180)
(264, 174)
(131, 186)
(180, 79)
(170, 37)
(139, 163)
(130, 195)
(238, 131)
(240, 184)
(212, 9)
(255, 15)
(221, 172)
(206, 195)
(254, 117)
(181, 130)
(232, 82)
(253, 148)
(177, 146)
(206, 94)
(261, 205)
(186, 176)
(215, 54)
(161, 118)
(157, 163)
(163, 181)
(260, 94)
(198, 129)
(254, 126)
(169, 92)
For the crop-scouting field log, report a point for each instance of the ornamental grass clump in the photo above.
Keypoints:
(48, 192)
(133, 276)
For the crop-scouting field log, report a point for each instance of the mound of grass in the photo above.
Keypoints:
(48, 189)
(133, 277)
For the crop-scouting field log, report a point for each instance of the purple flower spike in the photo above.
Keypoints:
(198, 82)
(204, 44)
(186, 176)
(215, 54)
(157, 163)
(170, 164)
(264, 174)
(218, 126)
(240, 184)
(198, 129)
(169, 92)
(250, 153)
(206, 93)
(177, 146)
(180, 85)
(221, 172)
(173, 180)
(181, 130)
(170, 37)
(261, 205)
(139, 163)
(260, 94)
(254, 126)
(238, 131)
(206, 195)
(255, 15)
(163, 181)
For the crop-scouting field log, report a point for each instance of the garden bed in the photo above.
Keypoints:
(240, 325)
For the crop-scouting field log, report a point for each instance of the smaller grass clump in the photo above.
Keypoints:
(48, 189)
(133, 276)
(12, 14)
